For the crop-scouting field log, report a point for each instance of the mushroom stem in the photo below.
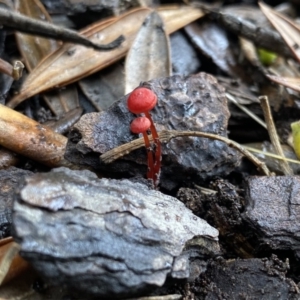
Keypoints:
(157, 160)
(150, 171)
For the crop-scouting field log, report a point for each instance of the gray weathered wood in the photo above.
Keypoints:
(106, 237)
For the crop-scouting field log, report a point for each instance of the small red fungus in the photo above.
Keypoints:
(141, 125)
(142, 100)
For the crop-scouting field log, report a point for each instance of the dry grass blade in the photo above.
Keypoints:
(73, 62)
(271, 155)
(288, 29)
(264, 102)
(149, 55)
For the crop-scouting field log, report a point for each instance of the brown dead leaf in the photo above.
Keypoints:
(149, 55)
(290, 82)
(288, 29)
(73, 62)
(34, 48)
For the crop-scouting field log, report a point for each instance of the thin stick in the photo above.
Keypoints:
(28, 25)
(264, 102)
(166, 135)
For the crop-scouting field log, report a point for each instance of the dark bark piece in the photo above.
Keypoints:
(106, 237)
(213, 41)
(248, 279)
(184, 57)
(105, 87)
(261, 37)
(272, 211)
(195, 102)
(9, 182)
(106, 7)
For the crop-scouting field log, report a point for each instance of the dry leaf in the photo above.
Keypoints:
(212, 40)
(73, 62)
(34, 49)
(288, 29)
(149, 55)
(290, 82)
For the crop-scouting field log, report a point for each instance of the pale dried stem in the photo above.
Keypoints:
(264, 102)
(166, 135)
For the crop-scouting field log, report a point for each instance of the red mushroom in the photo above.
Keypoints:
(142, 100)
(141, 125)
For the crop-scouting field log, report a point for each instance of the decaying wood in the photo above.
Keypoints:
(104, 237)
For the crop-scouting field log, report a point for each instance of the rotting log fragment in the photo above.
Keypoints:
(272, 211)
(107, 237)
(195, 102)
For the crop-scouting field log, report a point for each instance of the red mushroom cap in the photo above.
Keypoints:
(141, 100)
(140, 125)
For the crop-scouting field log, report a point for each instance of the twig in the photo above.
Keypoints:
(166, 135)
(25, 24)
(261, 37)
(15, 71)
(264, 102)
